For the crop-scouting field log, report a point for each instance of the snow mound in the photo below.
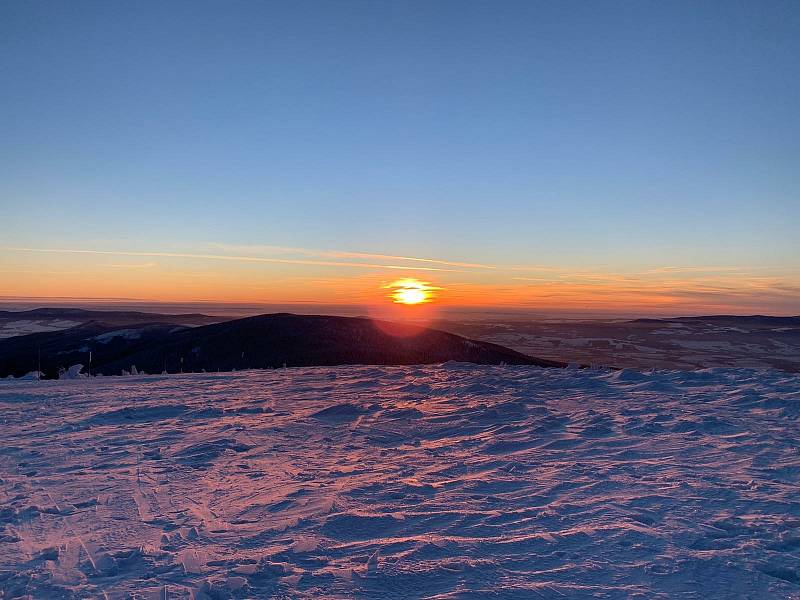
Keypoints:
(32, 375)
(74, 372)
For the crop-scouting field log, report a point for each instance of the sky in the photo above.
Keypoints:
(629, 157)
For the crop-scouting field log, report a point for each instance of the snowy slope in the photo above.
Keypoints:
(451, 481)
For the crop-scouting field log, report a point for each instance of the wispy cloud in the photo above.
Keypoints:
(227, 257)
(345, 254)
(694, 269)
(147, 265)
(536, 279)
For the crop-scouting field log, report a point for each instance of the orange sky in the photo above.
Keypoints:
(268, 275)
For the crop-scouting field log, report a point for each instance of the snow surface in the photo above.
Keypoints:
(450, 481)
(128, 334)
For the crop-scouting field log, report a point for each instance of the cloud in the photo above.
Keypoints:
(537, 279)
(227, 257)
(344, 254)
(692, 269)
(147, 265)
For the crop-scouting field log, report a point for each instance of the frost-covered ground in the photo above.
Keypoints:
(452, 481)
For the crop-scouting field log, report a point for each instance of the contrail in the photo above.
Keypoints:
(348, 254)
(255, 259)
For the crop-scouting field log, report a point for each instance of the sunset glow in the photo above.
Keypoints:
(410, 291)
(478, 153)
(221, 273)
(409, 296)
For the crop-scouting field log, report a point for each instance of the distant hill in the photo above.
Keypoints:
(39, 320)
(732, 320)
(255, 342)
(728, 341)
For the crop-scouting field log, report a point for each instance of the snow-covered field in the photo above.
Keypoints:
(452, 481)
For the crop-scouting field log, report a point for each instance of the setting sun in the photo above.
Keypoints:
(410, 296)
(410, 291)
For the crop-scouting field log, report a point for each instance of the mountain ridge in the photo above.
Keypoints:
(263, 341)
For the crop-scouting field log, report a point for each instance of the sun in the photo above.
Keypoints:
(410, 296)
(410, 291)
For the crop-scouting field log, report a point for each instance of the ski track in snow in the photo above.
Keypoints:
(449, 481)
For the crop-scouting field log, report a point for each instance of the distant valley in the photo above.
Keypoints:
(681, 343)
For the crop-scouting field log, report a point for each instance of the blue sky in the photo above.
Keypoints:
(611, 136)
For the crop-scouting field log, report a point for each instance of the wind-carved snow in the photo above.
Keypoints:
(452, 481)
